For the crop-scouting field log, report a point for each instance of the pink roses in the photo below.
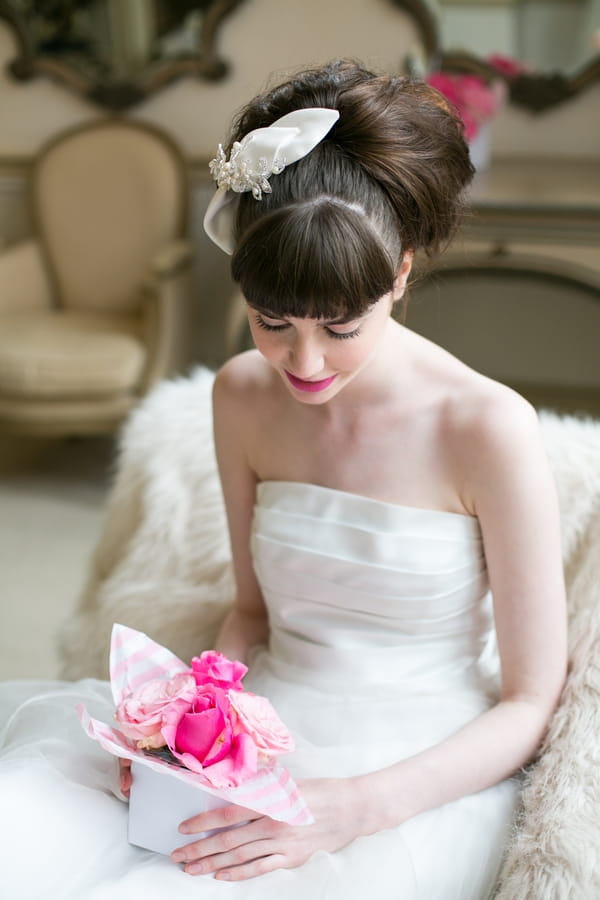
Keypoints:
(141, 714)
(206, 720)
(215, 668)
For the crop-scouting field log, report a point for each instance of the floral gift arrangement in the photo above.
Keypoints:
(196, 739)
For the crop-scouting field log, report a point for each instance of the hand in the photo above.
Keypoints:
(259, 844)
(125, 776)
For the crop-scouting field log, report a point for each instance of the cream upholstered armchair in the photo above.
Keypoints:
(95, 307)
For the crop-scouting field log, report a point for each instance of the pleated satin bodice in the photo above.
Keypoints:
(371, 591)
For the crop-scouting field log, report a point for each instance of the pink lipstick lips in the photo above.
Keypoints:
(310, 386)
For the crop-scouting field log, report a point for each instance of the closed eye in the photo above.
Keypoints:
(268, 327)
(342, 335)
(281, 326)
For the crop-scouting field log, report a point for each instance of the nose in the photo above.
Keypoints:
(306, 356)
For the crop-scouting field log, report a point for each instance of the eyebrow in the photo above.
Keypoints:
(341, 320)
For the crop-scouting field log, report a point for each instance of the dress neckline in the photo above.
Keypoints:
(425, 510)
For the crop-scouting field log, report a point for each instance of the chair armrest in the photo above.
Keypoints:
(24, 283)
(170, 259)
(167, 313)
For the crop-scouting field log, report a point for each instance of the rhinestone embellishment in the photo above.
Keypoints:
(236, 175)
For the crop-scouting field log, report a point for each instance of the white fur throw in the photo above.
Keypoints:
(162, 565)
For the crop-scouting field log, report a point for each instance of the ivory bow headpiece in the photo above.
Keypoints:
(260, 154)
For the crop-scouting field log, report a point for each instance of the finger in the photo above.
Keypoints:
(223, 817)
(254, 868)
(224, 861)
(125, 777)
(222, 842)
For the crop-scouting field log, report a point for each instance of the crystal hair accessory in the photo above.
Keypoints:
(236, 175)
(260, 154)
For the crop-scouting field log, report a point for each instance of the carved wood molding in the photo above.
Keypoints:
(514, 263)
(534, 91)
(118, 95)
(426, 21)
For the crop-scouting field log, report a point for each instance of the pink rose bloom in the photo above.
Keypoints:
(214, 668)
(141, 714)
(257, 718)
(202, 737)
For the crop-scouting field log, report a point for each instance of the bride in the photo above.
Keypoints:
(395, 540)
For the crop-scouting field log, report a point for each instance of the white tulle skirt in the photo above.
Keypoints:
(64, 824)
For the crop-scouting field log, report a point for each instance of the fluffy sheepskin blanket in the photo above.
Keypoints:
(162, 565)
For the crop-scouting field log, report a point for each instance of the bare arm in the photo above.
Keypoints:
(247, 623)
(510, 489)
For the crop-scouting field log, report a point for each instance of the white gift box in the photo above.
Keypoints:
(158, 803)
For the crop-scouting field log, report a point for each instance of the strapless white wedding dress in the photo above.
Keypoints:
(382, 644)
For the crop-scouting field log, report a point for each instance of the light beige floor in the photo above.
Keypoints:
(52, 496)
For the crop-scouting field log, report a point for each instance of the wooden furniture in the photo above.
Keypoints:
(541, 202)
(518, 294)
(94, 308)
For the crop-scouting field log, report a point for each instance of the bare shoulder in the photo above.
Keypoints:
(241, 375)
(494, 436)
(246, 400)
(485, 413)
(240, 382)
(473, 409)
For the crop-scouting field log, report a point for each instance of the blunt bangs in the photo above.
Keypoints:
(318, 259)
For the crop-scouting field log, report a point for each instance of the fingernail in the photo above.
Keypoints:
(178, 856)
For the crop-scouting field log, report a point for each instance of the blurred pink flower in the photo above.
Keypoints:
(475, 100)
(508, 66)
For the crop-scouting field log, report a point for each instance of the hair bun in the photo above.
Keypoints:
(400, 133)
(411, 143)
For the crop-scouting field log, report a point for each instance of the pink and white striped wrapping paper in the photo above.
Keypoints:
(136, 658)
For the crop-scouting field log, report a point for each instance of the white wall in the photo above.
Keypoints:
(263, 39)
(260, 38)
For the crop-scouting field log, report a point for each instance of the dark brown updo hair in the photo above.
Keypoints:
(388, 177)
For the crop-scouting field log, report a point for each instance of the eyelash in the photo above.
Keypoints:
(338, 336)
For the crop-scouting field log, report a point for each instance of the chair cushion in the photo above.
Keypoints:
(61, 354)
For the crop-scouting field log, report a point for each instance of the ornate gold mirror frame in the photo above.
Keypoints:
(96, 82)
(534, 91)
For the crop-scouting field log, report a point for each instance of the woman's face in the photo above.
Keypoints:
(316, 358)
